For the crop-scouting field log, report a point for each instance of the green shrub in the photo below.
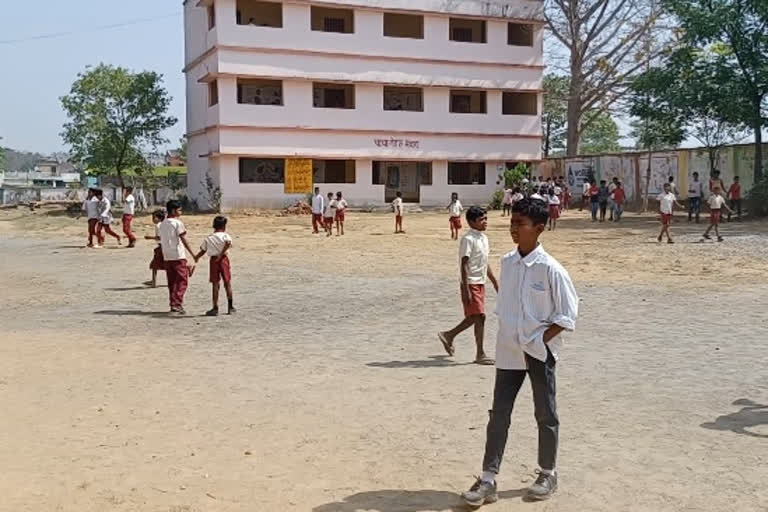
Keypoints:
(757, 199)
(496, 200)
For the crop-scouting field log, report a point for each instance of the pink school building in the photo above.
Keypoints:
(422, 97)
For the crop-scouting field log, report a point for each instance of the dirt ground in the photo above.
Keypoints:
(329, 391)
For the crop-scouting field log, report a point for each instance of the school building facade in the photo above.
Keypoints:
(381, 96)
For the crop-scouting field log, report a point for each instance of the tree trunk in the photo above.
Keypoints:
(574, 106)
(647, 181)
(547, 135)
(758, 141)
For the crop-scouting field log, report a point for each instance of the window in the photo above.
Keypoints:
(259, 92)
(520, 104)
(466, 173)
(333, 171)
(211, 17)
(519, 35)
(213, 93)
(468, 102)
(333, 96)
(325, 19)
(467, 31)
(403, 25)
(404, 98)
(259, 14)
(254, 170)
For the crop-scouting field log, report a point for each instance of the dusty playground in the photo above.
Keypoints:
(329, 392)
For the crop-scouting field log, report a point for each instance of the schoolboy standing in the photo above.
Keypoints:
(173, 240)
(454, 212)
(734, 194)
(397, 209)
(716, 205)
(667, 202)
(217, 246)
(318, 207)
(695, 193)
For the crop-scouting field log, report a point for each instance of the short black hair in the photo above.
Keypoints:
(399, 194)
(98, 192)
(695, 173)
(671, 179)
(735, 177)
(129, 189)
(220, 222)
(602, 182)
(535, 209)
(317, 189)
(160, 214)
(172, 206)
(475, 212)
(454, 194)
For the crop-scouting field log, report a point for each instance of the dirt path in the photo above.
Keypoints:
(328, 392)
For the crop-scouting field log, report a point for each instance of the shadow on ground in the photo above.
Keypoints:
(432, 362)
(751, 415)
(128, 312)
(134, 288)
(406, 501)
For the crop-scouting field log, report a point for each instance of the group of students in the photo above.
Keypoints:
(98, 210)
(604, 197)
(327, 211)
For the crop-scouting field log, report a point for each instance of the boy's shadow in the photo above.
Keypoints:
(134, 288)
(151, 314)
(392, 500)
(432, 362)
(751, 415)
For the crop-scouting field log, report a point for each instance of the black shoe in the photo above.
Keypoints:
(212, 312)
(543, 488)
(480, 494)
(178, 311)
(231, 310)
(708, 237)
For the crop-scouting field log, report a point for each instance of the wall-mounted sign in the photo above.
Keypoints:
(298, 176)
(397, 143)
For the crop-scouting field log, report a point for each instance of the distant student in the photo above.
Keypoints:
(454, 211)
(716, 181)
(397, 209)
(539, 194)
(673, 187)
(506, 202)
(173, 240)
(611, 187)
(517, 195)
(716, 204)
(91, 209)
(341, 207)
(158, 262)
(594, 199)
(473, 265)
(695, 193)
(667, 202)
(318, 208)
(734, 194)
(554, 208)
(537, 302)
(105, 218)
(603, 195)
(129, 210)
(329, 214)
(618, 197)
(585, 197)
(217, 246)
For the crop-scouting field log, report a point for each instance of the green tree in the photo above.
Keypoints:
(183, 147)
(114, 116)
(601, 136)
(2, 156)
(554, 116)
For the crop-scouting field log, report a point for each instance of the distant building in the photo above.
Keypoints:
(420, 97)
(174, 158)
(47, 173)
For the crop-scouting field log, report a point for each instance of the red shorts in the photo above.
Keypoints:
(714, 217)
(666, 219)
(328, 222)
(340, 215)
(455, 222)
(554, 211)
(158, 262)
(399, 218)
(220, 270)
(476, 304)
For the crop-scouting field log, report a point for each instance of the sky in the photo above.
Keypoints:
(37, 73)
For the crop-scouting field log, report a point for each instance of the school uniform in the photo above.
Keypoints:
(397, 208)
(474, 246)
(171, 230)
(105, 220)
(318, 207)
(716, 203)
(158, 262)
(554, 207)
(91, 209)
(455, 210)
(129, 210)
(330, 213)
(341, 206)
(734, 193)
(666, 203)
(219, 268)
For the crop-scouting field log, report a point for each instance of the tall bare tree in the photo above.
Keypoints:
(605, 43)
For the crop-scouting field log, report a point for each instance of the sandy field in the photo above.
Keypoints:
(329, 391)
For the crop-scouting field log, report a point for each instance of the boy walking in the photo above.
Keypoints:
(473, 262)
(129, 210)
(217, 246)
(716, 204)
(175, 246)
(537, 302)
(397, 208)
(105, 218)
(454, 212)
(734, 194)
(318, 208)
(329, 214)
(91, 209)
(667, 202)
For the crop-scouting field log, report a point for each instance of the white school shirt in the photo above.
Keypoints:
(474, 245)
(91, 208)
(330, 209)
(536, 195)
(104, 206)
(214, 244)
(695, 188)
(397, 206)
(341, 204)
(666, 200)
(535, 293)
(157, 234)
(585, 188)
(716, 201)
(507, 196)
(455, 209)
(558, 190)
(318, 204)
(129, 208)
(553, 200)
(171, 231)
(517, 197)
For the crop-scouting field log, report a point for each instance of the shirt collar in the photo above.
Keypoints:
(531, 258)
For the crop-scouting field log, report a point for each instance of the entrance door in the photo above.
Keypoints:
(402, 177)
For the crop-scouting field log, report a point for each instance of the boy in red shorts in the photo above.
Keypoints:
(217, 245)
(473, 256)
(716, 204)
(341, 208)
(667, 200)
(455, 210)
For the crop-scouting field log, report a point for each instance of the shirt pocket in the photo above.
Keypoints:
(537, 302)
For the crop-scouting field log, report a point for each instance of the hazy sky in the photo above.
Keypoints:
(36, 73)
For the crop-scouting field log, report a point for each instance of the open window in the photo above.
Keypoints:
(467, 30)
(260, 14)
(403, 25)
(404, 98)
(520, 104)
(213, 93)
(333, 171)
(468, 102)
(333, 95)
(519, 34)
(327, 19)
(259, 170)
(256, 91)
(211, 16)
(466, 173)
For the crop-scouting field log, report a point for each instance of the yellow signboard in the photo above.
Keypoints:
(298, 176)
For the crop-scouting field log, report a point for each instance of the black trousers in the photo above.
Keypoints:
(735, 206)
(508, 384)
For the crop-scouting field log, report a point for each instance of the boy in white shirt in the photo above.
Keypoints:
(454, 212)
(129, 210)
(91, 209)
(536, 303)
(716, 204)
(473, 262)
(341, 206)
(318, 208)
(554, 209)
(217, 246)
(667, 200)
(105, 218)
(173, 240)
(397, 209)
(507, 201)
(329, 214)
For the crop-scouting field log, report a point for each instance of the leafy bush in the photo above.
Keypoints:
(757, 199)
(514, 177)
(496, 200)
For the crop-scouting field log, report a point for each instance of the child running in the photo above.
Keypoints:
(397, 208)
(473, 263)
(217, 246)
(105, 218)
(554, 208)
(129, 210)
(716, 204)
(341, 207)
(157, 263)
(537, 302)
(667, 201)
(329, 214)
(454, 210)
(173, 239)
(91, 209)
